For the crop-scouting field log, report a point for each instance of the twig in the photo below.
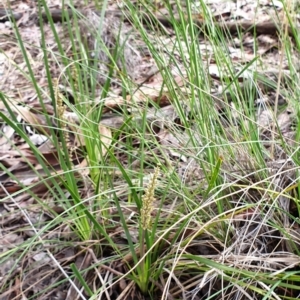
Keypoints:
(267, 27)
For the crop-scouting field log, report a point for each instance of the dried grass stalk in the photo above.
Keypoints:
(104, 39)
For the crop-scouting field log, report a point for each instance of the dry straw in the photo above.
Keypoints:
(106, 39)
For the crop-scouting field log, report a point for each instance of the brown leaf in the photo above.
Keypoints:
(106, 138)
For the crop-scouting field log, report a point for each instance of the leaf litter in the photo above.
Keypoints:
(23, 178)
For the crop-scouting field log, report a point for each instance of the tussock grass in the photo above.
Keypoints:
(213, 217)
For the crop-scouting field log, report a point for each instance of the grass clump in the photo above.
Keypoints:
(182, 184)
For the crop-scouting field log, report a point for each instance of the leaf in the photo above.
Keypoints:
(106, 138)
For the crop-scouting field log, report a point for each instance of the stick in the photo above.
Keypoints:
(268, 27)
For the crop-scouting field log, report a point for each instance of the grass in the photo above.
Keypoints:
(129, 215)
